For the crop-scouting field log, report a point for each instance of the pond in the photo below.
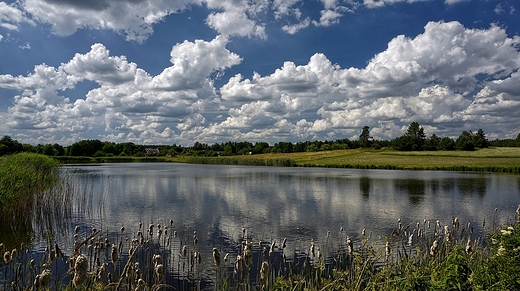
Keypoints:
(219, 205)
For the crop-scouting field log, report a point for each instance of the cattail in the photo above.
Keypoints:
(216, 257)
(184, 251)
(7, 257)
(469, 247)
(80, 270)
(243, 232)
(174, 233)
(43, 279)
(77, 229)
(197, 257)
(264, 270)
(410, 239)
(238, 264)
(52, 255)
(122, 229)
(284, 243)
(226, 257)
(311, 249)
(157, 259)
(272, 248)
(159, 233)
(32, 264)
(14, 254)
(387, 249)
(159, 272)
(319, 254)
(350, 246)
(248, 253)
(434, 247)
(171, 221)
(114, 254)
(363, 232)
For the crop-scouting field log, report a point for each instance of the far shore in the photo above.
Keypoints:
(496, 159)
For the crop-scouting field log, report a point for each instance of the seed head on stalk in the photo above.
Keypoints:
(350, 246)
(248, 253)
(434, 248)
(216, 257)
(272, 248)
(264, 270)
(7, 257)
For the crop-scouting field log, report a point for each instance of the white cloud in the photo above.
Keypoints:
(132, 19)
(292, 29)
(11, 16)
(235, 23)
(449, 78)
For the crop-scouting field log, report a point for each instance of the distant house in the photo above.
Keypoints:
(151, 152)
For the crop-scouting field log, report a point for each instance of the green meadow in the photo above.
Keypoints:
(489, 159)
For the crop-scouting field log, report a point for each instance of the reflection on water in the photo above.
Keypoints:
(276, 203)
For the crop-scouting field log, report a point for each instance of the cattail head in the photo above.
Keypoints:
(469, 247)
(7, 257)
(32, 264)
(434, 248)
(159, 272)
(44, 279)
(226, 257)
(387, 249)
(216, 257)
(350, 246)
(114, 254)
(80, 270)
(264, 270)
(157, 259)
(238, 264)
(248, 253)
(184, 251)
(77, 229)
(284, 243)
(14, 254)
(272, 248)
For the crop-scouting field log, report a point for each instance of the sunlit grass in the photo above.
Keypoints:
(491, 159)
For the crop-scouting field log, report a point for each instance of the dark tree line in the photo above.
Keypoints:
(413, 140)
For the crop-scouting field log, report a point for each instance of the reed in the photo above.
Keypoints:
(277, 162)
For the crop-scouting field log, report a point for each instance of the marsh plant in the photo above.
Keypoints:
(423, 255)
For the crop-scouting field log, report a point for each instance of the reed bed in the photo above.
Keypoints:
(277, 162)
(162, 255)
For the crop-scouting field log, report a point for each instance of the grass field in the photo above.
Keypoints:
(490, 159)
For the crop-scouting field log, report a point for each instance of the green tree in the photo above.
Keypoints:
(479, 139)
(416, 132)
(446, 144)
(465, 142)
(365, 138)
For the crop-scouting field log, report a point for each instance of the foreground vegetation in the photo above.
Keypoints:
(417, 255)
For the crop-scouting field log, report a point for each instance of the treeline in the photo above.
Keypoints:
(413, 140)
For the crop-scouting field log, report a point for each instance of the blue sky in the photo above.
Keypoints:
(164, 72)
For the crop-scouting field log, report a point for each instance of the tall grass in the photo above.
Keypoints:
(279, 162)
(422, 255)
(22, 176)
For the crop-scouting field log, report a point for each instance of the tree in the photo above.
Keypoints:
(479, 139)
(465, 142)
(446, 144)
(417, 135)
(365, 138)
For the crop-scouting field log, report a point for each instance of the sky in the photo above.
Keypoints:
(212, 71)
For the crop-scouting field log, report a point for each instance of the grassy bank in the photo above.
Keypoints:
(108, 159)
(22, 176)
(490, 159)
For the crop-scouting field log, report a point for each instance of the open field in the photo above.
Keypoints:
(490, 159)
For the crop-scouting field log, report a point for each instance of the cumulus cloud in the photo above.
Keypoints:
(448, 78)
(11, 16)
(132, 19)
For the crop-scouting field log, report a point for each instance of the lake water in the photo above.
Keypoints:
(272, 203)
